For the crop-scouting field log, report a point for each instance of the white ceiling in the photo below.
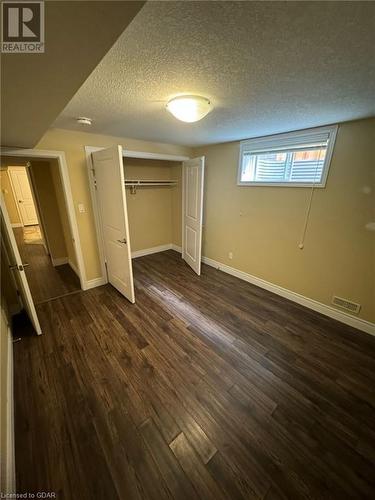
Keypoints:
(267, 67)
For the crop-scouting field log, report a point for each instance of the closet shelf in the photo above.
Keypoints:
(149, 182)
(138, 183)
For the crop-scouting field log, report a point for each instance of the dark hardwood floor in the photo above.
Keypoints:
(45, 281)
(207, 387)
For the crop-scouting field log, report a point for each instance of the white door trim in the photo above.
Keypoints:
(129, 154)
(63, 169)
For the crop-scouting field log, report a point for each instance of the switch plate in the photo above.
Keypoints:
(81, 208)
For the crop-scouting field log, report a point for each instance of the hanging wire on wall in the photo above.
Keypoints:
(301, 244)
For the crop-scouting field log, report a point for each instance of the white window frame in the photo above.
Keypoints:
(264, 144)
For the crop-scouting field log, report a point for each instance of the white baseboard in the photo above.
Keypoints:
(10, 464)
(17, 224)
(360, 324)
(160, 248)
(59, 261)
(149, 251)
(94, 283)
(74, 267)
(138, 253)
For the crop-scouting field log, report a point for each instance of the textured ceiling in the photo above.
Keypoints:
(268, 67)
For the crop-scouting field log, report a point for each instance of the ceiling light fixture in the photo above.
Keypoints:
(82, 120)
(189, 108)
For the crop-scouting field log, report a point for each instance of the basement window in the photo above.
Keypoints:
(295, 159)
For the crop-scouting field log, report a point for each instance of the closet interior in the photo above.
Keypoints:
(144, 203)
(154, 202)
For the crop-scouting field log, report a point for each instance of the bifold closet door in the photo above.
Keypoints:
(193, 175)
(110, 184)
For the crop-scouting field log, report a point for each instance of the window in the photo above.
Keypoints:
(294, 159)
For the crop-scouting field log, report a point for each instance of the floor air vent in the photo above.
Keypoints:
(346, 304)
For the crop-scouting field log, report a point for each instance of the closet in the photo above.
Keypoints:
(144, 203)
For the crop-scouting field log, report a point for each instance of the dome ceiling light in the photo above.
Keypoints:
(82, 120)
(189, 108)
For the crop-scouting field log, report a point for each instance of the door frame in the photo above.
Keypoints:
(68, 198)
(125, 153)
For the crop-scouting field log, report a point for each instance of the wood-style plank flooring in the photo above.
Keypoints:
(208, 387)
(45, 281)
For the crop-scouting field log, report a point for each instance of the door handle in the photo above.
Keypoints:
(20, 201)
(16, 267)
(122, 241)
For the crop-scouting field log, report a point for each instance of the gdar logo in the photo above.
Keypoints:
(22, 27)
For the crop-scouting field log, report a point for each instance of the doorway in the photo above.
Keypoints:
(34, 205)
(115, 175)
(42, 231)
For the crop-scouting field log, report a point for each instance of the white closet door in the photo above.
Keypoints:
(13, 260)
(110, 183)
(193, 172)
(23, 194)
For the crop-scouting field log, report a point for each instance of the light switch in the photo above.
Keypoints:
(81, 208)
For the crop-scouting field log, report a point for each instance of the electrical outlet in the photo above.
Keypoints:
(81, 208)
(230, 255)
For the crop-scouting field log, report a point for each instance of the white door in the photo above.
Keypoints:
(23, 195)
(110, 186)
(193, 176)
(17, 267)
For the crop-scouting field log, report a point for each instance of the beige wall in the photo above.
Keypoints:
(151, 208)
(72, 143)
(63, 212)
(262, 225)
(46, 195)
(10, 202)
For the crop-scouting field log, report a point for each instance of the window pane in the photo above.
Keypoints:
(299, 166)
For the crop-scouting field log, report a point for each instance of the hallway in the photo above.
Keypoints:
(46, 281)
